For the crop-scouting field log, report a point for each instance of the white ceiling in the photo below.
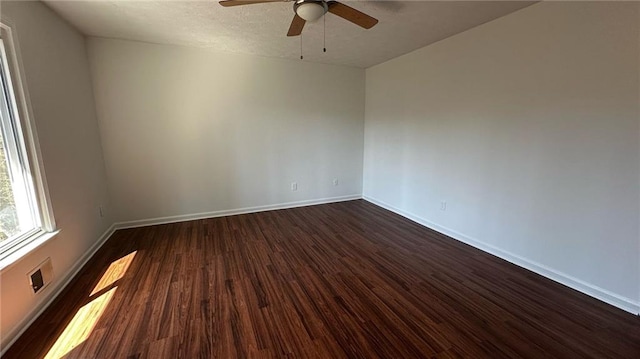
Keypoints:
(261, 29)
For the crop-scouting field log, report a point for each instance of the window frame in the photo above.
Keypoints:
(11, 250)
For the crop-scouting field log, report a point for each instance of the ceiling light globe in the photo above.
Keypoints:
(310, 11)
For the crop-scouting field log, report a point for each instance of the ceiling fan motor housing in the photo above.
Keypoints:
(310, 10)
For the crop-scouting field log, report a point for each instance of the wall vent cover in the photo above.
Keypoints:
(41, 276)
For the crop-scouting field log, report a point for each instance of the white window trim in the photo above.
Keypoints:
(17, 248)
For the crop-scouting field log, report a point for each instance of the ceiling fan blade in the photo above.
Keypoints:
(227, 3)
(296, 26)
(350, 14)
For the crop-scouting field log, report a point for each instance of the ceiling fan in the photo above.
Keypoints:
(312, 10)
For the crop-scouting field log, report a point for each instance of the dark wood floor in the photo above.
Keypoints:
(331, 281)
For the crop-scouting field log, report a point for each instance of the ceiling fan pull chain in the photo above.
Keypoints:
(301, 47)
(324, 34)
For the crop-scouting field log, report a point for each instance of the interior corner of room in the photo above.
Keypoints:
(520, 137)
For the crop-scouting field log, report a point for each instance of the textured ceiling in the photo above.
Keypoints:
(261, 29)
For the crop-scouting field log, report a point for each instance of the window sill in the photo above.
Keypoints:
(27, 246)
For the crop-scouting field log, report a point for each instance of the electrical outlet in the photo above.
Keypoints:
(443, 205)
(294, 186)
(335, 181)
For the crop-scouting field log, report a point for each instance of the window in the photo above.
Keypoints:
(25, 219)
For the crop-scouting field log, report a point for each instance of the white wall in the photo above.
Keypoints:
(528, 127)
(58, 81)
(188, 131)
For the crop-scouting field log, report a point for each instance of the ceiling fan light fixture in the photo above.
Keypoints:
(310, 10)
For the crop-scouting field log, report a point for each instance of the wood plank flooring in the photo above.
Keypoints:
(343, 280)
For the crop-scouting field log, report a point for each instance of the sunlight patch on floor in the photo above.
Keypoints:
(85, 320)
(116, 270)
(80, 326)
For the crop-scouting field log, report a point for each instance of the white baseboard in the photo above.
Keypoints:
(567, 280)
(55, 291)
(577, 284)
(231, 212)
